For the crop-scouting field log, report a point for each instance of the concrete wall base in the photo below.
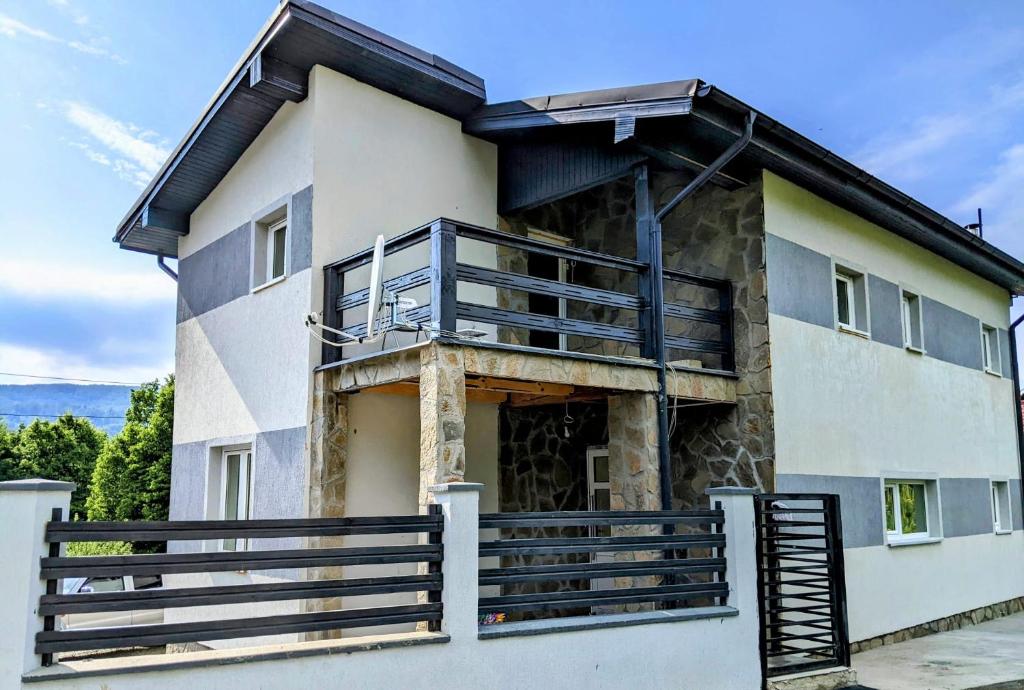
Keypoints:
(953, 622)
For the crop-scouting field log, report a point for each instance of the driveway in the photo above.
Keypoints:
(988, 655)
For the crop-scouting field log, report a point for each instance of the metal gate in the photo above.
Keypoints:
(801, 583)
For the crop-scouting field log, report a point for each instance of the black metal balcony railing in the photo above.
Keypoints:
(698, 323)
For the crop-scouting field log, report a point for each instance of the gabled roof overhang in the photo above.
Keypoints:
(273, 71)
(682, 119)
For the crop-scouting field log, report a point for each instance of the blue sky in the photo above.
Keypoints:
(927, 95)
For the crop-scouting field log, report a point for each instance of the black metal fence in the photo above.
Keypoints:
(801, 583)
(55, 568)
(701, 313)
(608, 559)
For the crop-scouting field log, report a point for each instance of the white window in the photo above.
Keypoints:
(911, 511)
(270, 248)
(1002, 522)
(990, 354)
(851, 299)
(236, 491)
(910, 310)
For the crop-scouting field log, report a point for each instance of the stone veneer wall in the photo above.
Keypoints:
(715, 233)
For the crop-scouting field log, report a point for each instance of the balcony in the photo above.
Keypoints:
(480, 287)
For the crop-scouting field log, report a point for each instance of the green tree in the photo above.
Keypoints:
(64, 450)
(132, 478)
(8, 460)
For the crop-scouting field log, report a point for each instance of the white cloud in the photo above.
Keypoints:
(24, 360)
(21, 277)
(137, 153)
(1000, 196)
(899, 152)
(13, 28)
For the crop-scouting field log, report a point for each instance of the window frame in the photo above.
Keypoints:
(910, 299)
(932, 507)
(246, 459)
(858, 298)
(263, 227)
(999, 493)
(991, 361)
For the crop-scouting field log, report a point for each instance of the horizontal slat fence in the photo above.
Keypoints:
(604, 559)
(55, 568)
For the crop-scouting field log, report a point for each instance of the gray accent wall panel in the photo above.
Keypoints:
(300, 225)
(950, 334)
(799, 282)
(215, 274)
(886, 320)
(1004, 353)
(860, 501)
(278, 489)
(966, 507)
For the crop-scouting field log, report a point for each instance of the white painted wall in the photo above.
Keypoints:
(384, 165)
(847, 406)
(890, 588)
(245, 366)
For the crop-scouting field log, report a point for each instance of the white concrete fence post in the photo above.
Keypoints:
(740, 548)
(460, 506)
(26, 506)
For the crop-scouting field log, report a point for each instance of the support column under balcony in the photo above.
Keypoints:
(442, 390)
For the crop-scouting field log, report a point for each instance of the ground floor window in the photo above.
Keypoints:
(910, 510)
(1001, 518)
(229, 490)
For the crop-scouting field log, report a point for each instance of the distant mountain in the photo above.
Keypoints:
(105, 405)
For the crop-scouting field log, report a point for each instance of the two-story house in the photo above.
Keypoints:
(621, 297)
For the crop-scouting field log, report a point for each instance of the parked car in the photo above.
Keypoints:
(106, 619)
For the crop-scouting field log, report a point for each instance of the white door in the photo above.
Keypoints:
(599, 493)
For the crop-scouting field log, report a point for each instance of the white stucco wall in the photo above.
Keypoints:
(384, 165)
(853, 409)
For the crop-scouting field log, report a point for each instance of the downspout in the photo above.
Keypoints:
(1015, 375)
(165, 268)
(658, 302)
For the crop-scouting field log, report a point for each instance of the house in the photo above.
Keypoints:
(614, 300)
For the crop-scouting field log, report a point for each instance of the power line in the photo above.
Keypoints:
(90, 417)
(62, 378)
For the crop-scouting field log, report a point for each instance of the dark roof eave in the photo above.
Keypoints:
(339, 43)
(948, 236)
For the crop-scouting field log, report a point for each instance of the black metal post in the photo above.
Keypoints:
(644, 213)
(834, 539)
(443, 284)
(334, 285)
(434, 596)
(51, 585)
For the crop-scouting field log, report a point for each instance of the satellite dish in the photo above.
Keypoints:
(376, 286)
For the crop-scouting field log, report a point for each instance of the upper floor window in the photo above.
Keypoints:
(851, 299)
(910, 310)
(269, 261)
(990, 354)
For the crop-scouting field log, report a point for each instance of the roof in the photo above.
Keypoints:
(715, 116)
(299, 34)
(274, 70)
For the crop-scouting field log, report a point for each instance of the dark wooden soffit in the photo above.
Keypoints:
(274, 71)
